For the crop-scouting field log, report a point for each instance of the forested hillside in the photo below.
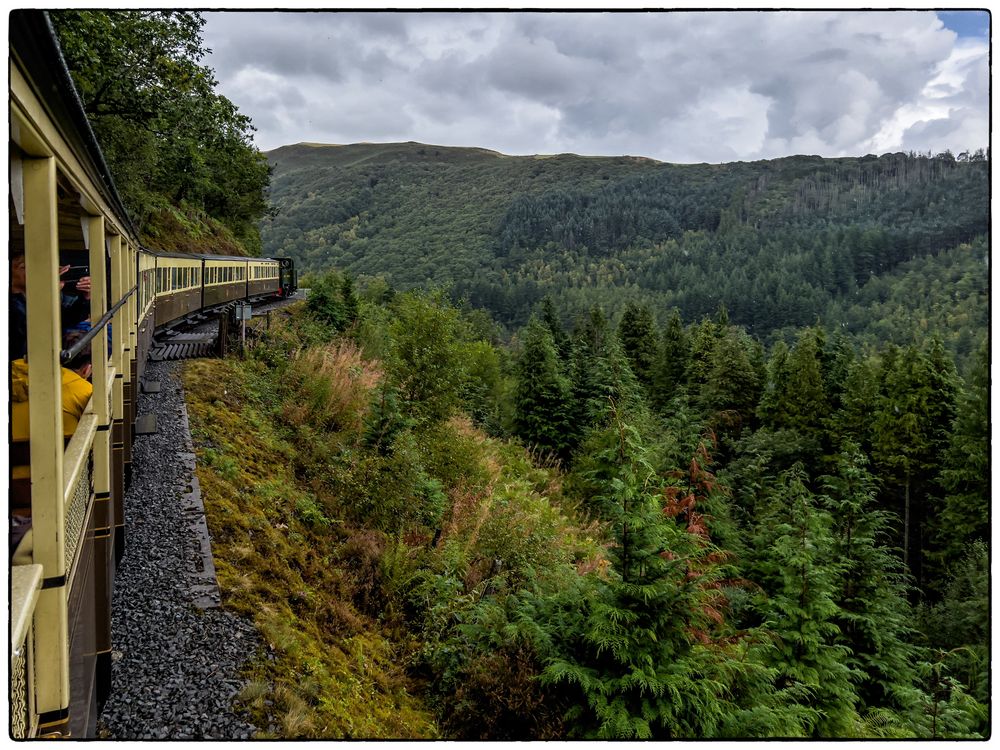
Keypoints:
(888, 249)
(606, 531)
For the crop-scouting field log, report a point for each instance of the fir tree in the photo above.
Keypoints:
(875, 618)
(908, 439)
(794, 564)
(670, 370)
(966, 476)
(639, 669)
(550, 318)
(542, 393)
(732, 387)
(637, 336)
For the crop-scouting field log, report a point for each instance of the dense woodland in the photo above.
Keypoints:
(566, 447)
(600, 530)
(887, 249)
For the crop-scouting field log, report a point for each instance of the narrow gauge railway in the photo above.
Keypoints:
(66, 487)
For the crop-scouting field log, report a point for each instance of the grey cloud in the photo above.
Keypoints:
(683, 84)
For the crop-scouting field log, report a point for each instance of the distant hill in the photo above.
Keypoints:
(782, 243)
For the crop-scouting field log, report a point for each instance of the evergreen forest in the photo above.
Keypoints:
(888, 249)
(608, 530)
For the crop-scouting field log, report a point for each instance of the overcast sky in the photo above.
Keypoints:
(676, 86)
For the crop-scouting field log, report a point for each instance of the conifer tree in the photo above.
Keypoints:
(670, 370)
(637, 335)
(853, 420)
(769, 409)
(965, 476)
(702, 339)
(837, 358)
(542, 393)
(639, 671)
(908, 440)
(550, 318)
(349, 300)
(732, 387)
(875, 618)
(794, 565)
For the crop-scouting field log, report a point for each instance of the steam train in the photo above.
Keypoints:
(68, 489)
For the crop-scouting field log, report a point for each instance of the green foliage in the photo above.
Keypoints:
(670, 369)
(331, 299)
(637, 335)
(633, 659)
(965, 470)
(542, 393)
(958, 625)
(168, 137)
(624, 591)
(875, 619)
(795, 565)
(424, 359)
(886, 249)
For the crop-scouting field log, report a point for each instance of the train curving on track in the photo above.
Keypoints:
(66, 487)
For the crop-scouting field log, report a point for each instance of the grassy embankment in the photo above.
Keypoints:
(356, 541)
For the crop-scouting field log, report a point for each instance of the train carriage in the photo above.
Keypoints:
(262, 277)
(177, 287)
(147, 299)
(69, 488)
(225, 280)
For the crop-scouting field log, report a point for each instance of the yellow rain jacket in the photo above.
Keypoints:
(76, 392)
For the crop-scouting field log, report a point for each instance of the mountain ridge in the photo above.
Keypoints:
(782, 242)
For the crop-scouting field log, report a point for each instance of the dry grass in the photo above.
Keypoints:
(335, 385)
(280, 570)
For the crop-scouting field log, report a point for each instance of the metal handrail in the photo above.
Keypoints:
(67, 354)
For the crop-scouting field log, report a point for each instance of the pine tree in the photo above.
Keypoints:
(349, 301)
(875, 618)
(853, 420)
(550, 318)
(966, 476)
(638, 665)
(702, 339)
(908, 440)
(732, 387)
(769, 409)
(801, 402)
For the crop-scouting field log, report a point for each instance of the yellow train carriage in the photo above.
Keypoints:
(146, 279)
(225, 279)
(62, 200)
(177, 287)
(263, 277)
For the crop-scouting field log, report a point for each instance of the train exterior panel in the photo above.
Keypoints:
(64, 208)
(225, 280)
(146, 301)
(178, 287)
(262, 277)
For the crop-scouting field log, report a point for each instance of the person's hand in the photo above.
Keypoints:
(62, 270)
(83, 286)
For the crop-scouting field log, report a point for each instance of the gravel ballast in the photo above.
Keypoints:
(176, 659)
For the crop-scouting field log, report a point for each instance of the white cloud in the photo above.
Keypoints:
(678, 86)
